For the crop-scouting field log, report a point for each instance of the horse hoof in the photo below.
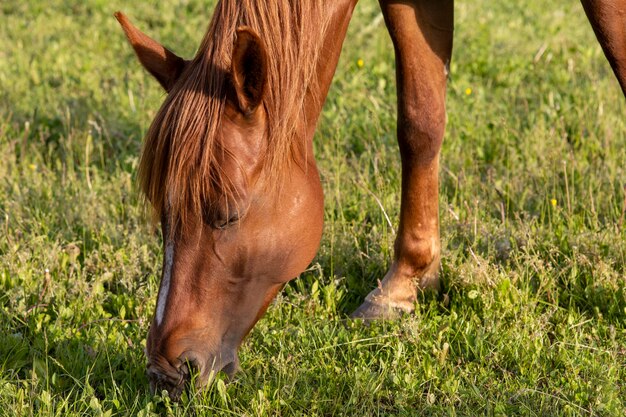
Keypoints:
(369, 311)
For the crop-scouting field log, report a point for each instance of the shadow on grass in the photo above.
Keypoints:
(75, 362)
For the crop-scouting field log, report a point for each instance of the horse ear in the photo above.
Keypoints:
(249, 70)
(163, 64)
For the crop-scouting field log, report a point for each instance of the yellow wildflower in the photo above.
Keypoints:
(360, 63)
(553, 202)
(468, 91)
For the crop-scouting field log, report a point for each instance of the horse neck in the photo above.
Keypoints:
(340, 12)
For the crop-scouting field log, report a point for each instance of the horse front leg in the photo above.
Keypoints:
(608, 19)
(421, 32)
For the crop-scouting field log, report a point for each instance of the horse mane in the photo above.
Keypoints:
(179, 172)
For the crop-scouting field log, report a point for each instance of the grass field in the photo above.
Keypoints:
(532, 317)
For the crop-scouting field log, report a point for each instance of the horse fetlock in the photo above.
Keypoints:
(425, 275)
(418, 260)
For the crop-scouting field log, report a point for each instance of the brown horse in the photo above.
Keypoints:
(228, 164)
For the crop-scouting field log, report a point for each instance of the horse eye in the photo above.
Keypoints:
(223, 224)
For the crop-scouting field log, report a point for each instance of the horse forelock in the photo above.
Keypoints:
(179, 168)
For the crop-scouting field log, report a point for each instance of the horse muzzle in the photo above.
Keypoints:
(189, 368)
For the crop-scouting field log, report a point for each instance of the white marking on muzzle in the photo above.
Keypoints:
(165, 282)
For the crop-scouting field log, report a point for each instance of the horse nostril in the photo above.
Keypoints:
(232, 368)
(188, 368)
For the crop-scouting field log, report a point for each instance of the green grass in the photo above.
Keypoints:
(532, 318)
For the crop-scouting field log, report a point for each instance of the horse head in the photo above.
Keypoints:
(240, 206)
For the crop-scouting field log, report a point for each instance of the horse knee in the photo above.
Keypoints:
(421, 128)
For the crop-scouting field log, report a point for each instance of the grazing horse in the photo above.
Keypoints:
(228, 164)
